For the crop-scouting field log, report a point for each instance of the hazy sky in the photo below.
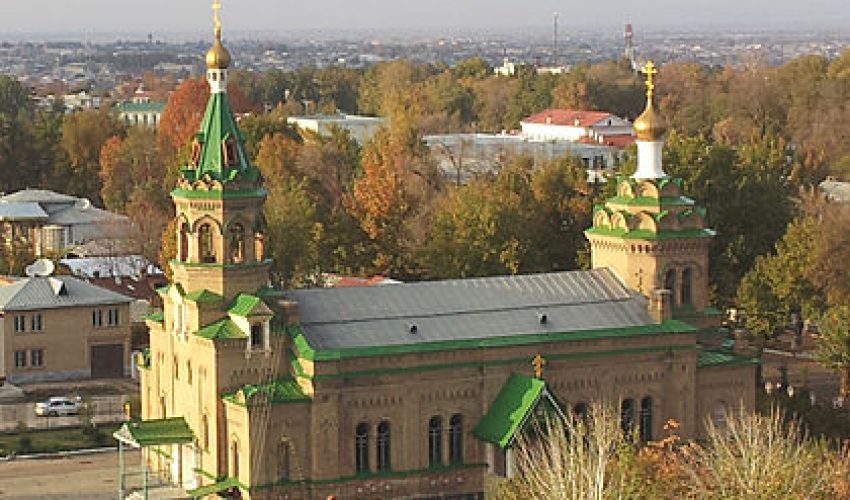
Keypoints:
(161, 16)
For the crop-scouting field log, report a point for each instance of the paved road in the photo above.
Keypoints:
(106, 409)
(91, 477)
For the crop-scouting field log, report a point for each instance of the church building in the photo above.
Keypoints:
(414, 390)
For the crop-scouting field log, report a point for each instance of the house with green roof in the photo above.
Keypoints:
(414, 390)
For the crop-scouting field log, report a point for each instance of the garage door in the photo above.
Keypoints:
(107, 361)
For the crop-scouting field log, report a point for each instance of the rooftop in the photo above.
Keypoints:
(568, 117)
(53, 292)
(468, 309)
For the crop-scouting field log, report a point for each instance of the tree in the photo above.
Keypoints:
(474, 68)
(149, 220)
(183, 113)
(834, 343)
(83, 136)
(131, 164)
(294, 234)
(260, 126)
(277, 156)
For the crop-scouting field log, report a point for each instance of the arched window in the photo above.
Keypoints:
(435, 441)
(237, 243)
(687, 279)
(581, 413)
(384, 444)
(205, 240)
(361, 448)
(183, 243)
(670, 282)
(627, 416)
(456, 439)
(205, 432)
(646, 419)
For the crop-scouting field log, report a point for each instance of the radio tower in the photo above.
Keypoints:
(629, 52)
(555, 39)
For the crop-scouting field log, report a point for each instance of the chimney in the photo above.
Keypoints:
(660, 305)
(290, 312)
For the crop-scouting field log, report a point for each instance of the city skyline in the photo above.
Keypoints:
(194, 16)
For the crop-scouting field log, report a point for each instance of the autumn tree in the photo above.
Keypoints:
(294, 234)
(83, 136)
(183, 113)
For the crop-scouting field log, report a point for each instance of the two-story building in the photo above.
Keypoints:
(62, 328)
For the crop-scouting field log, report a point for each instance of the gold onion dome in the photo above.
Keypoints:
(218, 56)
(650, 126)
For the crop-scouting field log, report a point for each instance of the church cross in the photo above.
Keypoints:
(217, 15)
(539, 364)
(650, 70)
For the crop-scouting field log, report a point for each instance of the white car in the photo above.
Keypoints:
(58, 406)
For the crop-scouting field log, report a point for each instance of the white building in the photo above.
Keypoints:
(575, 125)
(361, 128)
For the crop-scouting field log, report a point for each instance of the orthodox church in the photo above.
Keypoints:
(414, 390)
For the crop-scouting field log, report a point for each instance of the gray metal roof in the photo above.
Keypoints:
(84, 215)
(54, 292)
(38, 196)
(466, 309)
(21, 210)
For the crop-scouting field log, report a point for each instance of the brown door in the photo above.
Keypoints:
(107, 361)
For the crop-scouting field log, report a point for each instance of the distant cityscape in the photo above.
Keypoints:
(100, 62)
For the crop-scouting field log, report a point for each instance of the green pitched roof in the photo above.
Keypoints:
(218, 127)
(285, 390)
(155, 432)
(157, 316)
(204, 296)
(222, 329)
(243, 305)
(517, 398)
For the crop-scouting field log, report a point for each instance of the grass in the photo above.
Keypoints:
(55, 440)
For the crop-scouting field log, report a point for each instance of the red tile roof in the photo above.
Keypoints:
(618, 141)
(568, 117)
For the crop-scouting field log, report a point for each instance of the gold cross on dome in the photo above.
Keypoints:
(650, 70)
(539, 364)
(217, 15)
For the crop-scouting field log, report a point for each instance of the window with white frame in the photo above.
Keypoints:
(36, 323)
(112, 318)
(20, 324)
(97, 318)
(20, 359)
(37, 357)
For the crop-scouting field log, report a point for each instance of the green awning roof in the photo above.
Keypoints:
(155, 432)
(222, 329)
(204, 296)
(217, 487)
(511, 408)
(709, 358)
(243, 305)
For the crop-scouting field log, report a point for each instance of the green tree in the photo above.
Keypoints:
(834, 343)
(83, 135)
(294, 234)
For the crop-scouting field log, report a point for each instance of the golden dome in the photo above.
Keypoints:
(218, 57)
(650, 126)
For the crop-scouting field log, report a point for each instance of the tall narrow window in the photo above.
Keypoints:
(237, 243)
(646, 419)
(205, 239)
(627, 416)
(235, 459)
(670, 282)
(183, 242)
(257, 336)
(37, 357)
(384, 446)
(456, 439)
(36, 323)
(361, 448)
(205, 432)
(20, 324)
(687, 283)
(284, 457)
(435, 442)
(97, 318)
(20, 359)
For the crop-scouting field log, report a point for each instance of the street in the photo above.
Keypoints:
(92, 477)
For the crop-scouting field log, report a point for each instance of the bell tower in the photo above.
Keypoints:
(651, 234)
(219, 199)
